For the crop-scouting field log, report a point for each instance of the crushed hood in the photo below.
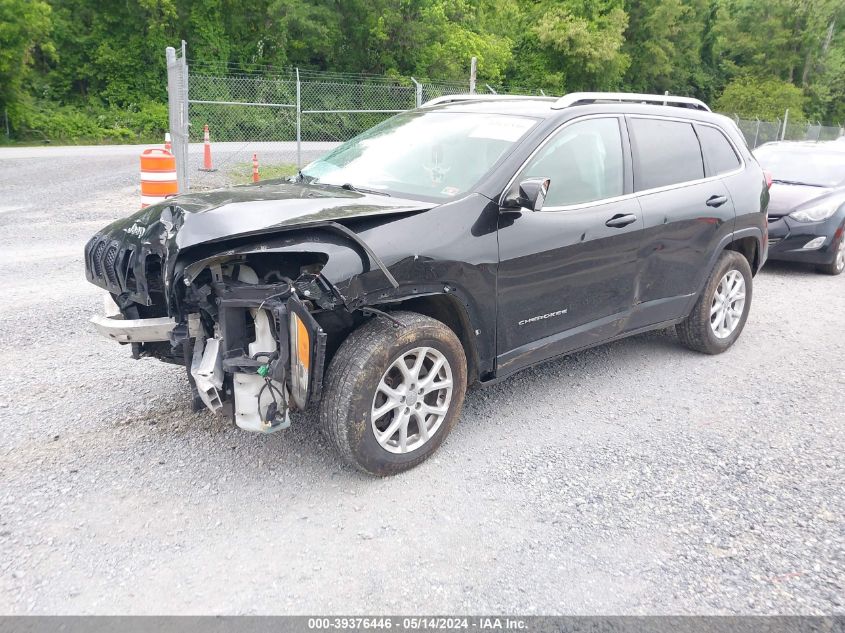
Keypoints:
(119, 257)
(223, 214)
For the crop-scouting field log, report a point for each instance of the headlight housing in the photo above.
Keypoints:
(820, 211)
(307, 354)
(300, 354)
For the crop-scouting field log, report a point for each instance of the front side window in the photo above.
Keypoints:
(583, 161)
(434, 155)
(665, 153)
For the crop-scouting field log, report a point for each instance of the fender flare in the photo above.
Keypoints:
(751, 231)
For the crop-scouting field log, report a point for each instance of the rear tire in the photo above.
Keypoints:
(721, 310)
(383, 419)
(837, 266)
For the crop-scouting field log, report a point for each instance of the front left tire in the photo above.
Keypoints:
(394, 392)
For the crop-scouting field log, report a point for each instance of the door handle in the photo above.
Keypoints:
(716, 201)
(619, 220)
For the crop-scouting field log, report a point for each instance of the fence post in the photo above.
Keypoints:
(298, 123)
(186, 121)
(473, 67)
(785, 121)
(177, 113)
(418, 92)
(6, 116)
(756, 133)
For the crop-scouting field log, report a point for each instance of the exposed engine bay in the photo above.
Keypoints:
(251, 345)
(259, 349)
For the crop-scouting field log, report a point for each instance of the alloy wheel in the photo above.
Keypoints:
(411, 400)
(728, 304)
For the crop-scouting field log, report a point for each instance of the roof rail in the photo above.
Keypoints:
(474, 97)
(583, 98)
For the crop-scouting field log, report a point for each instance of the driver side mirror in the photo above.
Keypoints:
(528, 194)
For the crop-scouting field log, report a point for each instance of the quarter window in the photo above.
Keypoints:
(665, 153)
(720, 155)
(583, 161)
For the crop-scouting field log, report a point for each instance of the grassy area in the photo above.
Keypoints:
(242, 172)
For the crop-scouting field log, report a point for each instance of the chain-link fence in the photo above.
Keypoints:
(287, 118)
(757, 132)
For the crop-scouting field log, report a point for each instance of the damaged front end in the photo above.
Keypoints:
(234, 285)
(259, 349)
(241, 324)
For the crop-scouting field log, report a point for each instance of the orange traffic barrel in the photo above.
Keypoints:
(158, 176)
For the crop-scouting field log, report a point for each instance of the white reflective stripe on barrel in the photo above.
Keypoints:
(158, 176)
(152, 199)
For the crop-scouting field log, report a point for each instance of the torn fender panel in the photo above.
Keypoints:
(450, 249)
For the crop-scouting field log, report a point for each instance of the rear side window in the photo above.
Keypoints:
(665, 153)
(718, 152)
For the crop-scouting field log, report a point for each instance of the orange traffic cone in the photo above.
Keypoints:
(255, 176)
(206, 159)
(168, 146)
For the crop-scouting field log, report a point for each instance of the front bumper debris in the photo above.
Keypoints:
(140, 330)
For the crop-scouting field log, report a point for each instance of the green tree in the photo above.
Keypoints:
(766, 99)
(571, 45)
(453, 35)
(666, 41)
(24, 25)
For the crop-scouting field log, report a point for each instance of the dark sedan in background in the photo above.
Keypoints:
(807, 202)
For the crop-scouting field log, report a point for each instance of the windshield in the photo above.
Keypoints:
(800, 166)
(435, 155)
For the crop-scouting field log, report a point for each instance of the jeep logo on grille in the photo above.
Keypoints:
(136, 229)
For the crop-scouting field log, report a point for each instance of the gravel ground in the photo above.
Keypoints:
(633, 478)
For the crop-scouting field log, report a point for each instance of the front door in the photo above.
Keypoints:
(567, 272)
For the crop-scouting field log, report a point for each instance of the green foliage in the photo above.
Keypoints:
(571, 45)
(95, 70)
(72, 124)
(666, 41)
(767, 99)
(24, 24)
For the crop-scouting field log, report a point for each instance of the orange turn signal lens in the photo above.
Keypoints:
(303, 344)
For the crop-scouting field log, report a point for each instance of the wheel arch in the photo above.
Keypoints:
(749, 247)
(448, 309)
(748, 242)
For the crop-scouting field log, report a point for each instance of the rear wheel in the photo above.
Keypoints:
(393, 393)
(837, 266)
(720, 313)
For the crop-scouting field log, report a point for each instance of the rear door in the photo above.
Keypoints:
(686, 210)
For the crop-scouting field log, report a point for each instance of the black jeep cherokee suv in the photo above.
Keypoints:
(456, 243)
